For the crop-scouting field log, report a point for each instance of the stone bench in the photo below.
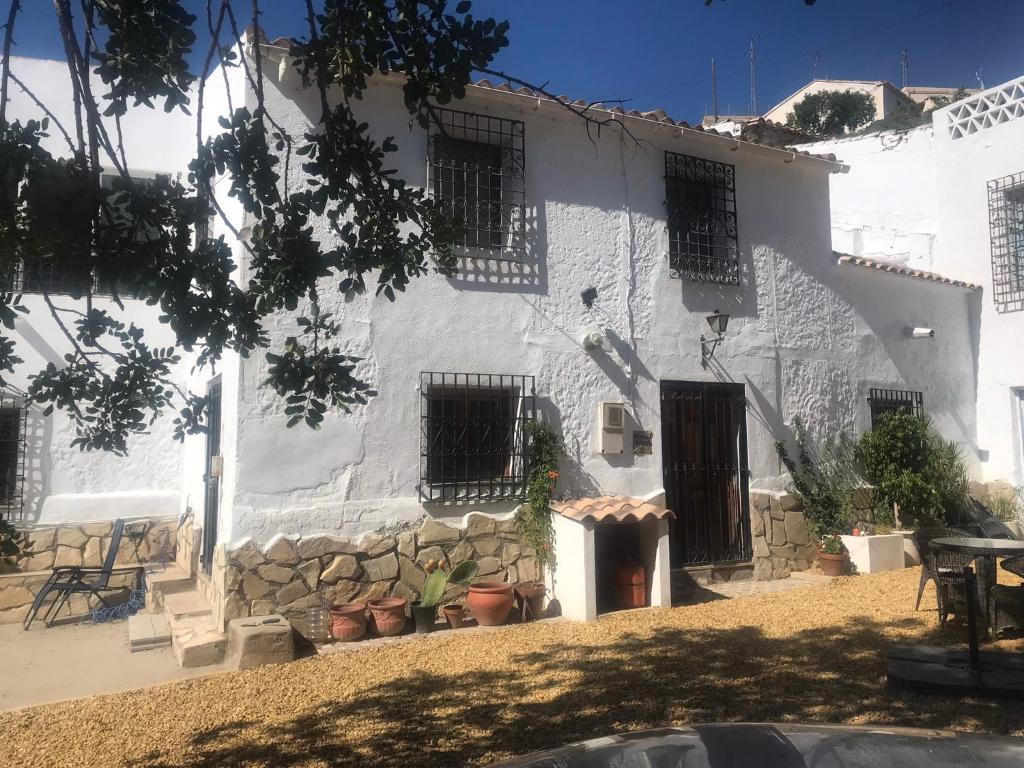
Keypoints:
(259, 640)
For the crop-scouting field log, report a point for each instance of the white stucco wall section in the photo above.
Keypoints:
(807, 338)
(920, 197)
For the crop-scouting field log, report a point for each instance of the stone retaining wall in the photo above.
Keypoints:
(18, 590)
(782, 543)
(86, 544)
(290, 575)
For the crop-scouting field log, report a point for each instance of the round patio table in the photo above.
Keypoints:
(984, 552)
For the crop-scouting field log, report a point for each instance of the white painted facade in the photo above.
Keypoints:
(920, 198)
(807, 337)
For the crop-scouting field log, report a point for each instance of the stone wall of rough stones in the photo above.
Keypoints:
(86, 544)
(83, 544)
(782, 543)
(289, 576)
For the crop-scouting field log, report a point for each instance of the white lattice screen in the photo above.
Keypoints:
(986, 109)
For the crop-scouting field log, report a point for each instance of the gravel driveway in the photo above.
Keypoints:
(813, 654)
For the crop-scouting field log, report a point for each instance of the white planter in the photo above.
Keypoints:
(874, 554)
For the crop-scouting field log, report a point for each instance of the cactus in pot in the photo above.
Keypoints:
(424, 611)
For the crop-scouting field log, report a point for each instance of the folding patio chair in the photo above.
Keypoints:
(68, 580)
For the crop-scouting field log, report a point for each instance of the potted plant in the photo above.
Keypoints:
(424, 610)
(832, 556)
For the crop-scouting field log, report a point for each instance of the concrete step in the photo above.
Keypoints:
(147, 630)
(160, 583)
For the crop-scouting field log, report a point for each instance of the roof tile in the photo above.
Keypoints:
(610, 509)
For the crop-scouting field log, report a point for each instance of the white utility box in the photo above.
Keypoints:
(611, 427)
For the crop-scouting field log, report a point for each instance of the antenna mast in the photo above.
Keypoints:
(905, 68)
(752, 55)
(714, 88)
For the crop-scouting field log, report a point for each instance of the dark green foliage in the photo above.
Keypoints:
(544, 449)
(149, 239)
(903, 118)
(823, 480)
(915, 469)
(832, 113)
(144, 56)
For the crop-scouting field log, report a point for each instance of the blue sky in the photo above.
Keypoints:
(657, 52)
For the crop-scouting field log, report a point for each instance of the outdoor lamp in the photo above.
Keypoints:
(718, 321)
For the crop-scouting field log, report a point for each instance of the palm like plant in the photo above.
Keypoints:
(439, 579)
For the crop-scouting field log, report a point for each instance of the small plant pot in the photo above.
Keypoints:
(833, 565)
(424, 618)
(455, 614)
(490, 602)
(388, 615)
(348, 621)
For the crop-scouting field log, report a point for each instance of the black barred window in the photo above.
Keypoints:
(12, 456)
(1006, 228)
(472, 435)
(701, 200)
(477, 170)
(885, 401)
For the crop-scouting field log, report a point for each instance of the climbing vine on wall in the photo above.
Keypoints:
(544, 449)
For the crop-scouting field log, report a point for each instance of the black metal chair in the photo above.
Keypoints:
(1006, 603)
(70, 579)
(922, 538)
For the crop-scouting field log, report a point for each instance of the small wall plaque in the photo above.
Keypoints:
(643, 443)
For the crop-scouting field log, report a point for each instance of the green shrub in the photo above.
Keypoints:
(544, 448)
(1007, 507)
(912, 467)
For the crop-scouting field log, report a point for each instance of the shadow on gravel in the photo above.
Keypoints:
(563, 694)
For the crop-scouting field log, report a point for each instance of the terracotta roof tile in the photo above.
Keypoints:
(610, 509)
(904, 270)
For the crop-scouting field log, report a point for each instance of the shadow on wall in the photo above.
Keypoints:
(522, 273)
(574, 482)
(38, 464)
(557, 694)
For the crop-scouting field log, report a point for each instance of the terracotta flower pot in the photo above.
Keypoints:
(424, 617)
(490, 602)
(531, 599)
(455, 614)
(833, 565)
(348, 621)
(388, 615)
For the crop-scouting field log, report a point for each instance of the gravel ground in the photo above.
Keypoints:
(813, 655)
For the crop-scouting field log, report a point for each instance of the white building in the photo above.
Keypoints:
(686, 224)
(949, 197)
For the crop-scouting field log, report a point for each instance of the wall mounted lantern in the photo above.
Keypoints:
(719, 321)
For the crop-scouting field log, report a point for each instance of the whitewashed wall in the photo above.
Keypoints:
(920, 197)
(807, 337)
(64, 483)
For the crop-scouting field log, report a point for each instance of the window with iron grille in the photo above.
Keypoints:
(884, 401)
(12, 456)
(477, 171)
(1006, 229)
(47, 276)
(702, 233)
(472, 435)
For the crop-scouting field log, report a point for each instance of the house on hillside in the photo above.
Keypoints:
(587, 278)
(949, 197)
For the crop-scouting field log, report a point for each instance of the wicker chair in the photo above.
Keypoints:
(949, 584)
(1006, 603)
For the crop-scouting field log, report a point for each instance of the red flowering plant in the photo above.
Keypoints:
(544, 448)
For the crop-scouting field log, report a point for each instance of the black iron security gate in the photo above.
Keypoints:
(211, 476)
(704, 455)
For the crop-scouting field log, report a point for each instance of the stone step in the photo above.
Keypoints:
(185, 605)
(147, 630)
(198, 645)
(160, 583)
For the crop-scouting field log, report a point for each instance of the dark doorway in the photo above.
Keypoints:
(704, 456)
(212, 470)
